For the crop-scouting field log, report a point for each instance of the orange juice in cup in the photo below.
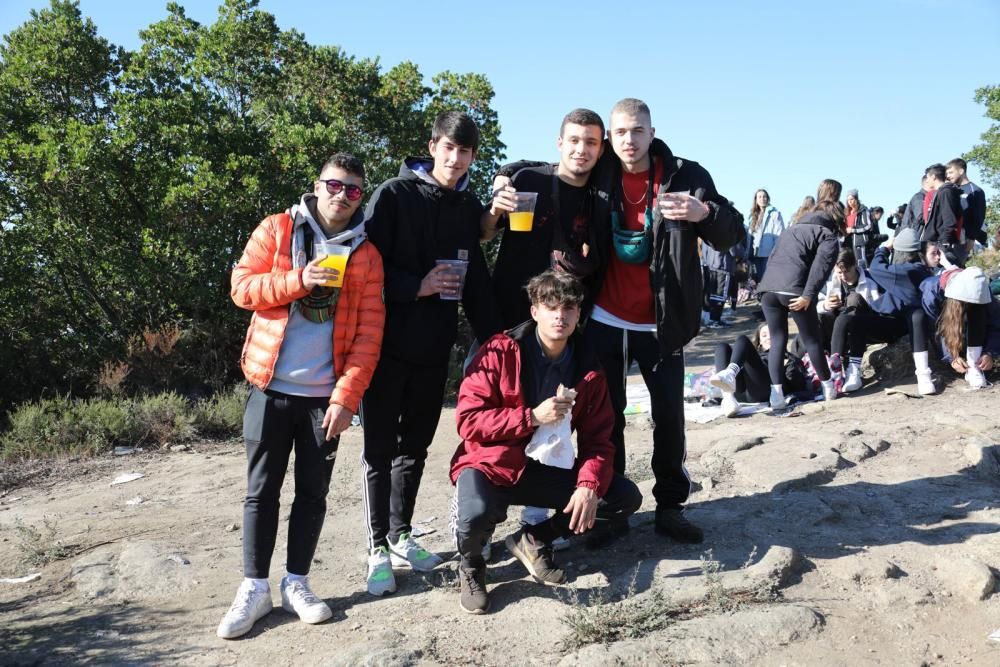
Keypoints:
(334, 256)
(523, 215)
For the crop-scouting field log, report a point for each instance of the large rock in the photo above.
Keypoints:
(985, 456)
(727, 639)
(966, 577)
(800, 466)
(387, 648)
(862, 569)
(138, 571)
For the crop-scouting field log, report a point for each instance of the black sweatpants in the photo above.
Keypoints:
(482, 505)
(399, 412)
(274, 424)
(776, 313)
(752, 382)
(664, 377)
(716, 291)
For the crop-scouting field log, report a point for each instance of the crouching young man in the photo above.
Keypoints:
(512, 388)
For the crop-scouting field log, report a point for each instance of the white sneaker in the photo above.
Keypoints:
(975, 378)
(408, 552)
(925, 383)
(250, 606)
(296, 598)
(777, 400)
(853, 381)
(829, 390)
(724, 380)
(730, 406)
(381, 580)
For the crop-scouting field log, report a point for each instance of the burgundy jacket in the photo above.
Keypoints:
(494, 421)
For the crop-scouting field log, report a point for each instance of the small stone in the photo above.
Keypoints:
(853, 433)
(707, 484)
(179, 448)
(180, 560)
(232, 528)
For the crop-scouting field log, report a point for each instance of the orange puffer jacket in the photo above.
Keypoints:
(265, 282)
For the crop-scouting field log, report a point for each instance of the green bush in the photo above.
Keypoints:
(161, 419)
(221, 416)
(63, 426)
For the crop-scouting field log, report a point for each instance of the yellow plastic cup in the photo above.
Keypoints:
(523, 215)
(333, 256)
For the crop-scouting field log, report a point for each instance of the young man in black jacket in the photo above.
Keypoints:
(649, 304)
(944, 219)
(973, 203)
(562, 234)
(419, 220)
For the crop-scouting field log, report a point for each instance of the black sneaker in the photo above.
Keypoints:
(536, 557)
(606, 532)
(673, 524)
(474, 599)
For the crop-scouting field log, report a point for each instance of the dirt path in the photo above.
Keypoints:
(868, 514)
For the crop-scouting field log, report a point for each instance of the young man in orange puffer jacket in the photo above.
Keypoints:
(310, 353)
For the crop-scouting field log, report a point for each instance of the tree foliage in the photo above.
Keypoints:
(987, 154)
(130, 180)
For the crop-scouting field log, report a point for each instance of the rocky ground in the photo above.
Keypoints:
(860, 532)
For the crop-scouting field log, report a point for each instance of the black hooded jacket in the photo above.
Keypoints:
(675, 269)
(415, 222)
(803, 258)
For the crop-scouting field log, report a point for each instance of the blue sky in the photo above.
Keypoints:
(768, 94)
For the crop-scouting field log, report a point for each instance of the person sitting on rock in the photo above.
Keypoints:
(900, 300)
(967, 318)
(741, 372)
(515, 388)
(850, 291)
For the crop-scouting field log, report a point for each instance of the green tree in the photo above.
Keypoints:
(130, 181)
(987, 154)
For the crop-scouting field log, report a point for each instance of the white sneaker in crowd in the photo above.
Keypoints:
(854, 380)
(724, 380)
(408, 552)
(975, 378)
(730, 406)
(297, 598)
(777, 400)
(381, 580)
(925, 383)
(251, 605)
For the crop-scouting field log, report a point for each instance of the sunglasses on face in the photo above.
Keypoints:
(334, 187)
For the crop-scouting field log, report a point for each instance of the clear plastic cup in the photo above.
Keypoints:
(333, 256)
(523, 215)
(458, 267)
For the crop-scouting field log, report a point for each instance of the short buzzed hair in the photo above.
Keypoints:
(957, 162)
(581, 117)
(632, 107)
(555, 288)
(345, 161)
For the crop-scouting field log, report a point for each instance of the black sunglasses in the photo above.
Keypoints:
(334, 187)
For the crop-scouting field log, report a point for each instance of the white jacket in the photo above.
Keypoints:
(766, 236)
(867, 288)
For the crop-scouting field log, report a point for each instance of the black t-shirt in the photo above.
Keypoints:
(560, 220)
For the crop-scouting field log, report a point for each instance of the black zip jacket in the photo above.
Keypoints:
(944, 220)
(803, 257)
(414, 223)
(675, 268)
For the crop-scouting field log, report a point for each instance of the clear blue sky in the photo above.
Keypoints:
(764, 94)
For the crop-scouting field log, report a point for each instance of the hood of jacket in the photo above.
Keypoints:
(420, 169)
(352, 235)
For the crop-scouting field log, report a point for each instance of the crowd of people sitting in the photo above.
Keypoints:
(847, 286)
